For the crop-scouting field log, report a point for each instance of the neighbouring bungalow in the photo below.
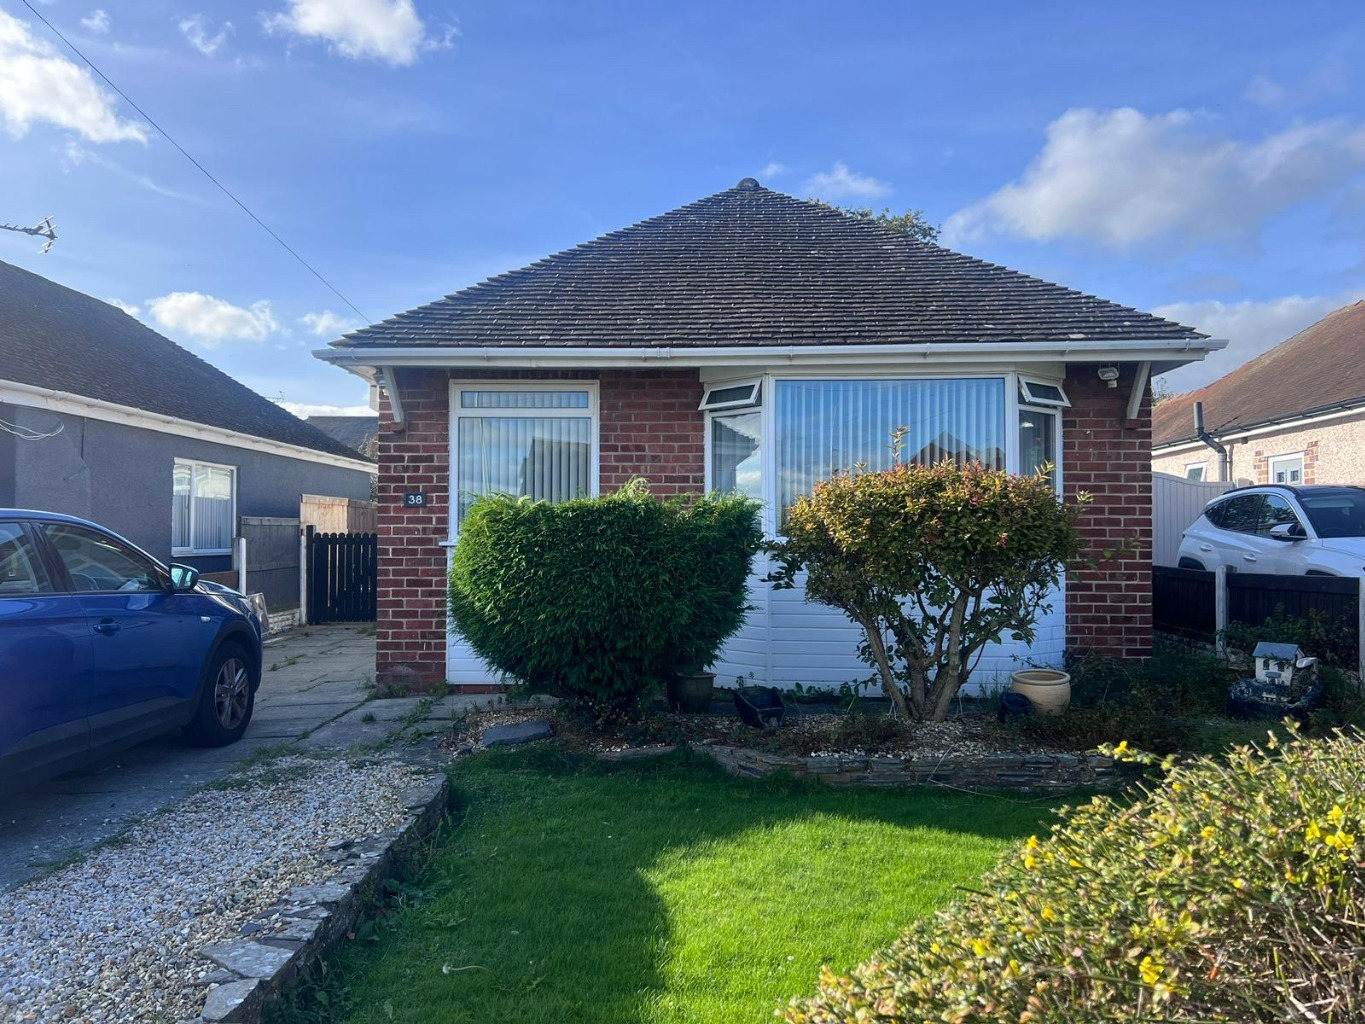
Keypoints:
(104, 418)
(755, 342)
(1293, 415)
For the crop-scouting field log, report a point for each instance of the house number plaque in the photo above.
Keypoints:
(414, 499)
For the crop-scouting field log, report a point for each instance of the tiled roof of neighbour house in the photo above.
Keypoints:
(55, 337)
(753, 267)
(358, 432)
(1320, 368)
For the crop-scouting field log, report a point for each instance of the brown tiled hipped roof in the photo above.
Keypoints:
(1320, 368)
(55, 337)
(749, 266)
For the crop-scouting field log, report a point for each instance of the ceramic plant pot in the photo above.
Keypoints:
(1048, 690)
(690, 692)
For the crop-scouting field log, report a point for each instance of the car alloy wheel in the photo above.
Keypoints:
(232, 692)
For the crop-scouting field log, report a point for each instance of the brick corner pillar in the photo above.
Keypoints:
(410, 636)
(1109, 607)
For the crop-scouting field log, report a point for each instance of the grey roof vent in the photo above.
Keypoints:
(747, 183)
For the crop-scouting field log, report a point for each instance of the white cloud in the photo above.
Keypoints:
(209, 320)
(1265, 92)
(96, 21)
(1119, 177)
(1250, 328)
(201, 37)
(841, 183)
(387, 30)
(38, 85)
(772, 170)
(303, 410)
(327, 324)
(127, 307)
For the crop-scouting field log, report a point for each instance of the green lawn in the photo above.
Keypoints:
(660, 891)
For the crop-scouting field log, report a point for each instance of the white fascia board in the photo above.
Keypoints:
(1168, 351)
(30, 397)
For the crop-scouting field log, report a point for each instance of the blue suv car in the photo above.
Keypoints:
(102, 646)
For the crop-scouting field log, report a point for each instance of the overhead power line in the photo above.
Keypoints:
(202, 169)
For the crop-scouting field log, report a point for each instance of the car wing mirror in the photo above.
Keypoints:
(1287, 532)
(183, 577)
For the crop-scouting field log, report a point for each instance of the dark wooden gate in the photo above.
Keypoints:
(342, 576)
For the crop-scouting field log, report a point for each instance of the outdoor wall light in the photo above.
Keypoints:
(1110, 375)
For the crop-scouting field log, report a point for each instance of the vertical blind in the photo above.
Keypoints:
(201, 508)
(829, 426)
(537, 457)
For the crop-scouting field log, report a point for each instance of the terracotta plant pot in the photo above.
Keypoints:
(1048, 690)
(690, 692)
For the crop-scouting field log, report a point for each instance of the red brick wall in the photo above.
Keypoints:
(650, 427)
(1109, 608)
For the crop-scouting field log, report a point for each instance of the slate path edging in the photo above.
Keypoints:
(1024, 773)
(254, 972)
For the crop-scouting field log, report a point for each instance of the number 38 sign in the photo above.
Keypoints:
(414, 499)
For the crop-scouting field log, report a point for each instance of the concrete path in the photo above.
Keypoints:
(316, 694)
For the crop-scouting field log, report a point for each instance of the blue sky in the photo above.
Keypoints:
(1204, 161)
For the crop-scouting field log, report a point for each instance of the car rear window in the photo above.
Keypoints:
(1336, 515)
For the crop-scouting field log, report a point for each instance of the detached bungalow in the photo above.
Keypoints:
(756, 342)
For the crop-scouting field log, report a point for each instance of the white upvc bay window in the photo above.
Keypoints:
(796, 431)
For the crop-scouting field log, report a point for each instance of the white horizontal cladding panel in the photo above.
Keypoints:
(465, 667)
(816, 645)
(745, 655)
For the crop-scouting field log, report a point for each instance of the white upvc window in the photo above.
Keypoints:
(797, 430)
(1287, 469)
(529, 439)
(1195, 471)
(203, 508)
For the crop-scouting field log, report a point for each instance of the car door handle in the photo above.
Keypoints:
(107, 626)
(1205, 547)
(1249, 558)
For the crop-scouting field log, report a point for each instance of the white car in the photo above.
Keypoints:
(1288, 531)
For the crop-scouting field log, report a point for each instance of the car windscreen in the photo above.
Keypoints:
(1336, 515)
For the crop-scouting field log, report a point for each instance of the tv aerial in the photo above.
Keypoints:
(42, 230)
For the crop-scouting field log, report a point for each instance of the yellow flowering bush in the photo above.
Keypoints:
(1234, 890)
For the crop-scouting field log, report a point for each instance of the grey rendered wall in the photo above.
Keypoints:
(7, 443)
(120, 477)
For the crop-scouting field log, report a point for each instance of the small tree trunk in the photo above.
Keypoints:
(877, 643)
(948, 679)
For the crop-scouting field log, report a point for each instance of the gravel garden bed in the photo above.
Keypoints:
(115, 937)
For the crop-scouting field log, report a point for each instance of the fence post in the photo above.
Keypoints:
(304, 536)
(241, 565)
(1220, 608)
(1360, 628)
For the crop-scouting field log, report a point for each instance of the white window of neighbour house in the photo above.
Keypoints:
(203, 508)
(1194, 471)
(1287, 469)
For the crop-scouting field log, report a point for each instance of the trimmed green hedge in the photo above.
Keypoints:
(1233, 891)
(601, 599)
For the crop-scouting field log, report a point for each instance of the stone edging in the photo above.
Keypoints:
(1025, 773)
(254, 972)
